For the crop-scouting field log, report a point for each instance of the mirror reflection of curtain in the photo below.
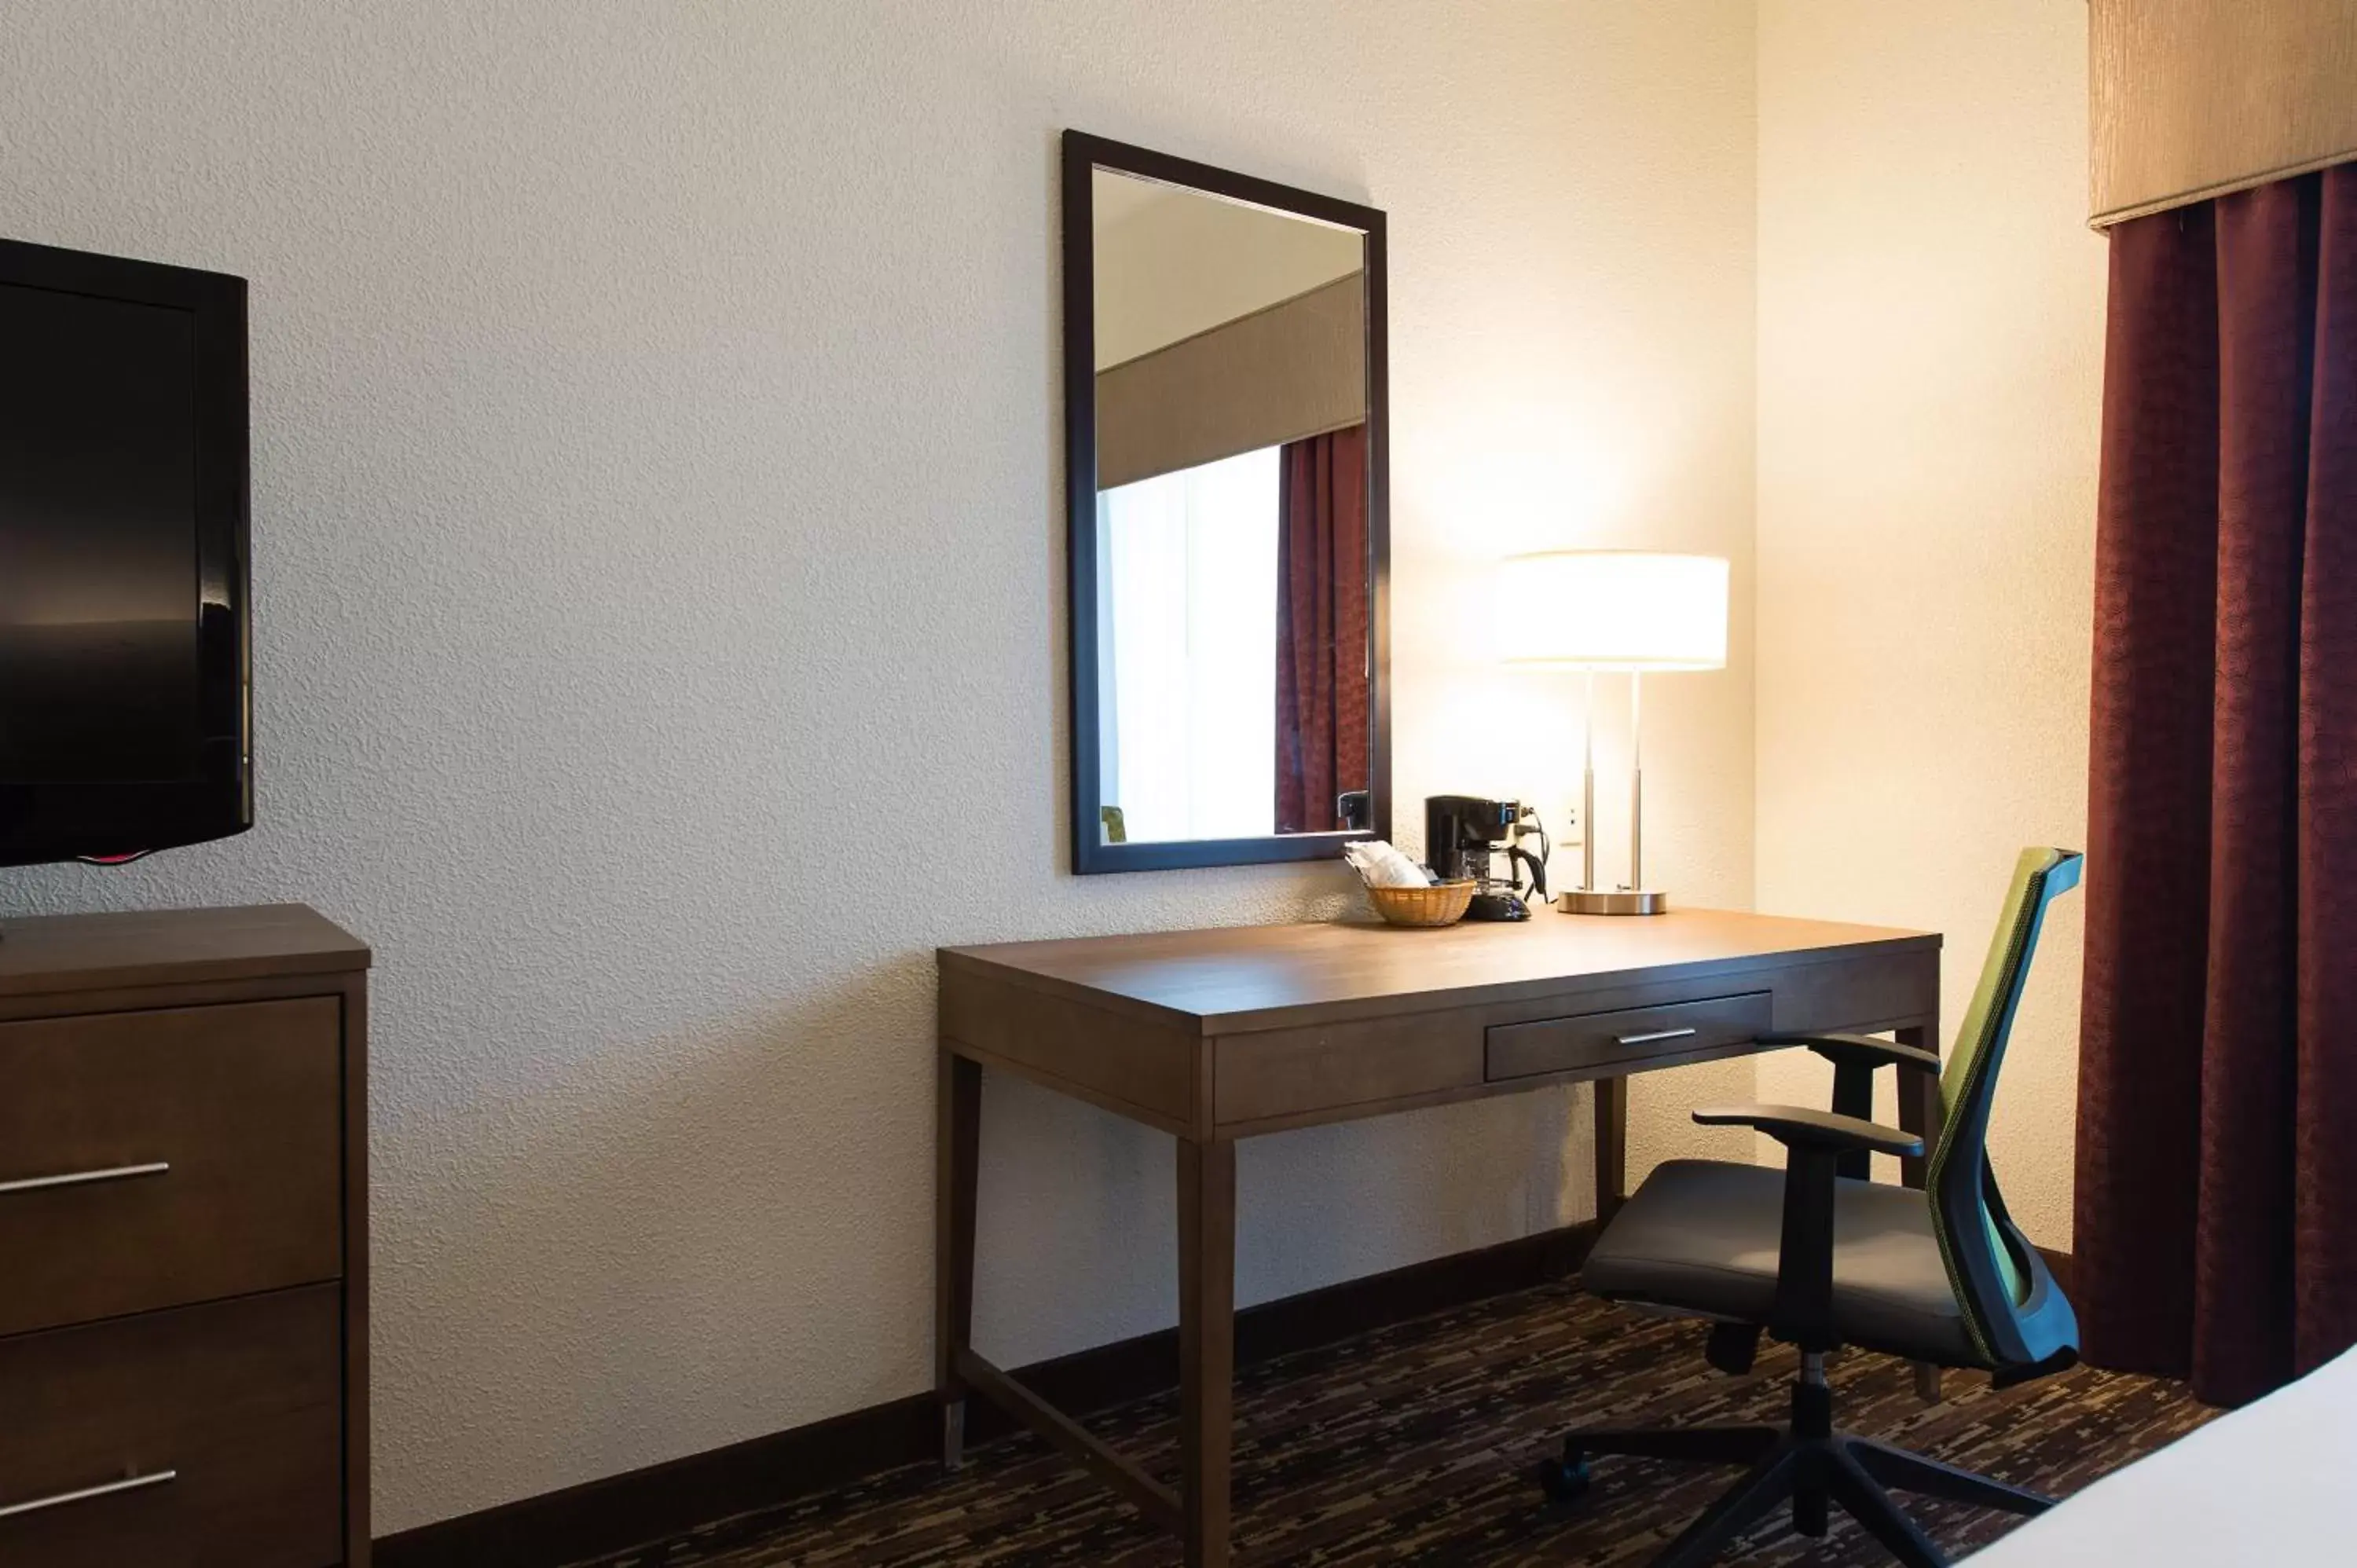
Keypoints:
(1190, 563)
(1322, 742)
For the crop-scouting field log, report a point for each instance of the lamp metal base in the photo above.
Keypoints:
(1613, 901)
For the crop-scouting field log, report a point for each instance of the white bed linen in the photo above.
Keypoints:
(2274, 1483)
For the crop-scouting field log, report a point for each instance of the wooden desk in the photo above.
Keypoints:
(1214, 1036)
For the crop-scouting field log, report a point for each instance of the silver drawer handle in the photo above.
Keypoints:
(112, 1488)
(83, 1178)
(1656, 1038)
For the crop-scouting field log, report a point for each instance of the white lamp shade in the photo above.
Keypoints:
(1614, 609)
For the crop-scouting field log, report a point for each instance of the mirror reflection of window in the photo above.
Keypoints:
(1191, 567)
(1231, 396)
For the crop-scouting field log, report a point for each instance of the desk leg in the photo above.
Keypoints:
(957, 1171)
(1920, 1112)
(1611, 1147)
(1207, 1345)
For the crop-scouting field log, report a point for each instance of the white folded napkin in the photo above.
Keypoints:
(1380, 865)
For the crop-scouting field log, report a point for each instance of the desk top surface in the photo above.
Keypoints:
(1243, 975)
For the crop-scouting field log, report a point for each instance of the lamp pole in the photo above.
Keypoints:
(1636, 780)
(1631, 897)
(1587, 799)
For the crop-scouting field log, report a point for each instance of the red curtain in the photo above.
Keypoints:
(1322, 747)
(2216, 1206)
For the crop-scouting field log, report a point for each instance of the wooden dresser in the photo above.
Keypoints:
(183, 1241)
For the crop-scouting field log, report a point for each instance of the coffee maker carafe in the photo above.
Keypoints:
(1463, 836)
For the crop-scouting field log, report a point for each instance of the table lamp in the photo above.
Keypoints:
(1618, 610)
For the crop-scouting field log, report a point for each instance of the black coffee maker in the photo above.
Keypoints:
(1463, 836)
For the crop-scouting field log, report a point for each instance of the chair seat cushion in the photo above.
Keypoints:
(1702, 1236)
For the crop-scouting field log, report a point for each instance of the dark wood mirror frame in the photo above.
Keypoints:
(1083, 153)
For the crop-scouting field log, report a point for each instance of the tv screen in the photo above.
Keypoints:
(122, 544)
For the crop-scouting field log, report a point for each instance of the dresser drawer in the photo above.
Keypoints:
(158, 1158)
(239, 1402)
(1633, 1035)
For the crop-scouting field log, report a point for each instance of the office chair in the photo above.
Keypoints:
(1819, 1256)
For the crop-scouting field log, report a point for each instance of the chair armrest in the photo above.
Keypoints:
(1816, 1143)
(1863, 1050)
(1796, 1127)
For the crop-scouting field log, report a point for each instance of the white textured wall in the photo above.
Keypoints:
(1930, 348)
(656, 523)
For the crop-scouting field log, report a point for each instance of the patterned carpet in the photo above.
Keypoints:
(1416, 1445)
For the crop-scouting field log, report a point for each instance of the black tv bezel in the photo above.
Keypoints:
(46, 823)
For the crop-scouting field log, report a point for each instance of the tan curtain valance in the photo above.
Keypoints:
(2191, 99)
(1296, 369)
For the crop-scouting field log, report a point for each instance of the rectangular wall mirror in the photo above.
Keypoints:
(1225, 438)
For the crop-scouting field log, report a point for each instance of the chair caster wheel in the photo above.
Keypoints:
(1566, 1480)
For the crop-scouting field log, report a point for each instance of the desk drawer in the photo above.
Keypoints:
(238, 1400)
(1633, 1035)
(242, 1106)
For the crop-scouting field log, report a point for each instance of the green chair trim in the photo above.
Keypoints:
(1977, 1244)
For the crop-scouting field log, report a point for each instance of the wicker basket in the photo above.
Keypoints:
(1440, 905)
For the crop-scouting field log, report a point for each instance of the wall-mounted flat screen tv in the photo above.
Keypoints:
(126, 718)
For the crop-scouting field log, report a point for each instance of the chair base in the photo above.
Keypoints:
(1809, 1462)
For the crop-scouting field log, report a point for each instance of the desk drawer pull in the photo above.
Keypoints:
(112, 1488)
(83, 1178)
(1626, 1040)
